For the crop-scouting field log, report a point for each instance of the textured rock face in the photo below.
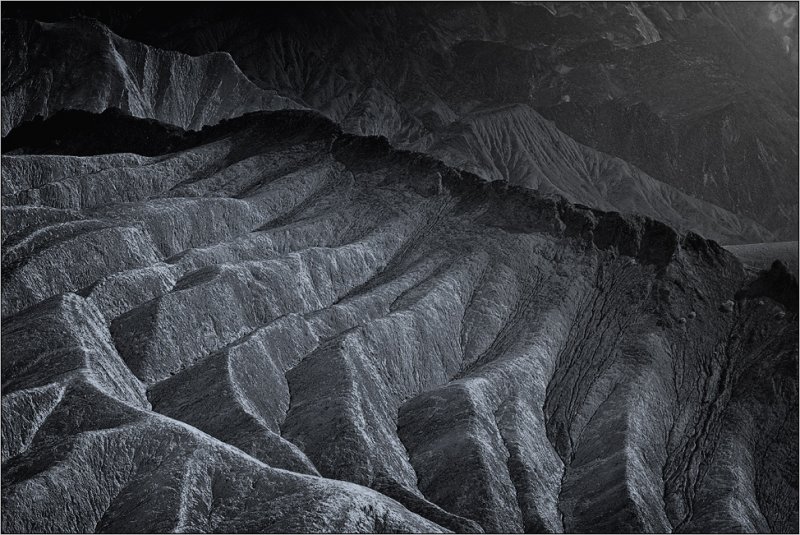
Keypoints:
(700, 97)
(518, 145)
(82, 65)
(276, 326)
(718, 120)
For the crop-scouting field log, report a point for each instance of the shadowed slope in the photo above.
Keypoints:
(699, 97)
(80, 64)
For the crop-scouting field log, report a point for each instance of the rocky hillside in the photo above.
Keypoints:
(517, 145)
(514, 143)
(82, 65)
(273, 325)
(709, 106)
(700, 97)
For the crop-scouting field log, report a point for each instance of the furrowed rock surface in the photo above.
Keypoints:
(700, 97)
(46, 67)
(708, 104)
(520, 146)
(277, 326)
(511, 143)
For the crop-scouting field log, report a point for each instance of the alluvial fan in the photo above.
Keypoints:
(273, 325)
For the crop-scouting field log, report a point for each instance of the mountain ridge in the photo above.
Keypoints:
(388, 321)
(387, 312)
(569, 170)
(633, 80)
(351, 79)
(122, 74)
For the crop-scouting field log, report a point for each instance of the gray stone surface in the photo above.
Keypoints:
(289, 328)
(80, 64)
(699, 99)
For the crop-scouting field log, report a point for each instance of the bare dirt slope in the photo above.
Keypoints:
(276, 326)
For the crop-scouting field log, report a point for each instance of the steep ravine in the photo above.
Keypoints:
(271, 325)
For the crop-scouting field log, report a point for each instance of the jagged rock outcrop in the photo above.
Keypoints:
(701, 97)
(279, 326)
(80, 64)
(513, 143)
